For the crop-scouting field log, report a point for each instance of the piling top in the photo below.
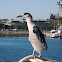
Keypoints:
(30, 58)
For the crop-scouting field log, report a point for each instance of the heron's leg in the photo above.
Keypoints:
(40, 55)
(33, 52)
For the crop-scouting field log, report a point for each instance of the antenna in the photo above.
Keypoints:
(60, 5)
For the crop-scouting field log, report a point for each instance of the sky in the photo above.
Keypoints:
(39, 9)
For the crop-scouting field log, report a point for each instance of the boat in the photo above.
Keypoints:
(55, 33)
(31, 58)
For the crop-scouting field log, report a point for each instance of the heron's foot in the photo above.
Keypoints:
(40, 56)
(33, 56)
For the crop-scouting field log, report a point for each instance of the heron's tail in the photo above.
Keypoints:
(45, 48)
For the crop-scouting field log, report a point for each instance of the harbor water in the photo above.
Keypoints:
(15, 48)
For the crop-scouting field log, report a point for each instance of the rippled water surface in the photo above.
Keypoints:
(15, 48)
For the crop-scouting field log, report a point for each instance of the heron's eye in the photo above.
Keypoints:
(24, 14)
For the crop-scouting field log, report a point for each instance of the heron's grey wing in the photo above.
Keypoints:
(39, 34)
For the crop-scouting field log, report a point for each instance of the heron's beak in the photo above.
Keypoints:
(19, 16)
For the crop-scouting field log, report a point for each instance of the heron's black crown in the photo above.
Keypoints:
(28, 14)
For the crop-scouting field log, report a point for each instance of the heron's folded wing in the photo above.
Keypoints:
(39, 34)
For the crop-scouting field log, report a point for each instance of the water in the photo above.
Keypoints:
(15, 48)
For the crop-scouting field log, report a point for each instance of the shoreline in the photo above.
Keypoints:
(17, 34)
(14, 34)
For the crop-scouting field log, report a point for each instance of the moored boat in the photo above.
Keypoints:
(55, 33)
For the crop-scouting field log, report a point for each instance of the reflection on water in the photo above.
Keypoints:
(15, 48)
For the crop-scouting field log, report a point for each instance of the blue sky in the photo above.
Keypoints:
(40, 9)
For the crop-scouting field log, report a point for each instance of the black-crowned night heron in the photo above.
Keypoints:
(36, 37)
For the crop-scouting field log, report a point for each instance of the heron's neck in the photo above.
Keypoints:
(30, 23)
